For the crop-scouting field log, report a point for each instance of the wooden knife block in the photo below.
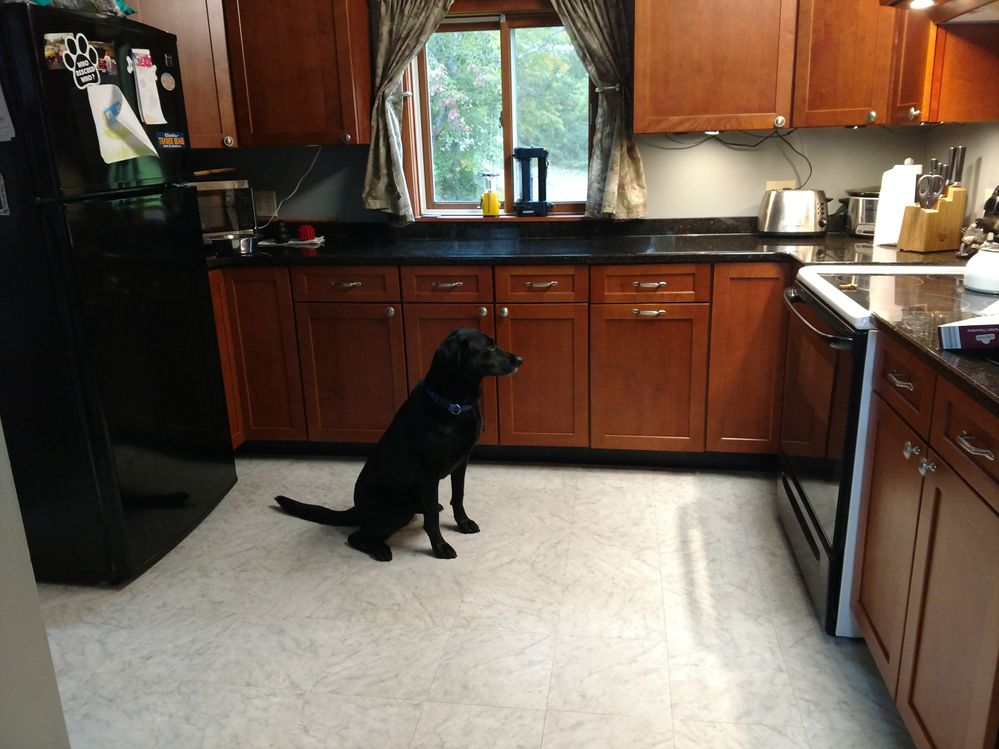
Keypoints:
(937, 228)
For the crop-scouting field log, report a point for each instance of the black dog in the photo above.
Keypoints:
(430, 437)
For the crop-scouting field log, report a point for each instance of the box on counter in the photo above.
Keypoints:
(974, 333)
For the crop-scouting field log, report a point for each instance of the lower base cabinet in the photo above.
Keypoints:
(545, 402)
(648, 376)
(353, 368)
(227, 355)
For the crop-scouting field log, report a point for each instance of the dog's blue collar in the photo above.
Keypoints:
(455, 409)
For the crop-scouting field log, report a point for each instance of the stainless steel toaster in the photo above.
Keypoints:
(793, 212)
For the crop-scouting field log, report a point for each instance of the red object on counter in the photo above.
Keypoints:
(306, 232)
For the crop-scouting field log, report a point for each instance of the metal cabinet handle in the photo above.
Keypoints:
(791, 298)
(899, 383)
(346, 138)
(649, 284)
(390, 312)
(346, 284)
(541, 284)
(909, 449)
(780, 121)
(228, 141)
(504, 312)
(926, 467)
(872, 116)
(914, 113)
(447, 284)
(482, 312)
(964, 440)
(649, 312)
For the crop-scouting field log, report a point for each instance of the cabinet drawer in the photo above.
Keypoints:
(542, 283)
(447, 283)
(967, 436)
(651, 283)
(346, 283)
(906, 382)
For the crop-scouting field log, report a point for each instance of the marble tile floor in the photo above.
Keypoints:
(599, 607)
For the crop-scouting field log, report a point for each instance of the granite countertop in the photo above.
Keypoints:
(648, 248)
(911, 308)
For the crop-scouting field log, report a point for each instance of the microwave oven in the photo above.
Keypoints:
(226, 208)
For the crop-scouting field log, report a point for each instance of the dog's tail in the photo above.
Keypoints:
(317, 513)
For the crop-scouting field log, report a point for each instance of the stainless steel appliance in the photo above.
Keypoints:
(226, 209)
(111, 390)
(793, 212)
(861, 211)
(826, 407)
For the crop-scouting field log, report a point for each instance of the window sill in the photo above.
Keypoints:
(475, 216)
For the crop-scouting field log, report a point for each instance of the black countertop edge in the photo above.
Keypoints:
(972, 371)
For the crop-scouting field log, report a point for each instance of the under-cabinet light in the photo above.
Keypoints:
(920, 4)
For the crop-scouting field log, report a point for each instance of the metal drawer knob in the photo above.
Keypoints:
(228, 141)
(914, 113)
(964, 440)
(447, 284)
(482, 312)
(346, 138)
(898, 382)
(649, 284)
(926, 467)
(909, 449)
(504, 312)
(872, 116)
(390, 312)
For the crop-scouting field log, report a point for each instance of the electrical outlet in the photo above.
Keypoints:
(264, 203)
(780, 184)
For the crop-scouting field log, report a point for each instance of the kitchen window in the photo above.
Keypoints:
(485, 85)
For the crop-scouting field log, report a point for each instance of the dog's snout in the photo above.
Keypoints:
(517, 360)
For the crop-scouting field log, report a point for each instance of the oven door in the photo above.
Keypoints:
(821, 402)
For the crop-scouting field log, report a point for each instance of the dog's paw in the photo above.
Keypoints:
(445, 551)
(468, 526)
(377, 550)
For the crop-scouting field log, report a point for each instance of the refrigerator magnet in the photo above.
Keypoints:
(82, 59)
(168, 82)
(145, 83)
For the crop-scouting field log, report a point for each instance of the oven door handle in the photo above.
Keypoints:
(791, 298)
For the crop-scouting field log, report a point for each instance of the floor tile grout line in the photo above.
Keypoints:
(662, 597)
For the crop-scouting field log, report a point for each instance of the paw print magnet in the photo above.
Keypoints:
(82, 59)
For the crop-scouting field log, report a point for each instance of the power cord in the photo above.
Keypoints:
(292, 194)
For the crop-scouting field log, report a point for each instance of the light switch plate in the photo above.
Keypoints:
(780, 184)
(264, 203)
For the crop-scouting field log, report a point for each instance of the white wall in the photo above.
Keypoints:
(30, 709)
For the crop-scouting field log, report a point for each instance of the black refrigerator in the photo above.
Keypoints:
(111, 394)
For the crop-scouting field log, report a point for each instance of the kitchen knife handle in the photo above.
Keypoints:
(959, 165)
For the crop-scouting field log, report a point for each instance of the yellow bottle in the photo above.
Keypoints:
(490, 200)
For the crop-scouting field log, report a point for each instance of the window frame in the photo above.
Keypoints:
(416, 131)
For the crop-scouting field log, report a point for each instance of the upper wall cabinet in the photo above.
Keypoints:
(908, 97)
(843, 63)
(301, 71)
(713, 65)
(204, 60)
(965, 68)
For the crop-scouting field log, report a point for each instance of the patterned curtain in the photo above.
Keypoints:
(403, 27)
(600, 31)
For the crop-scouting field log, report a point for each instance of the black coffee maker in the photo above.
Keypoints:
(524, 157)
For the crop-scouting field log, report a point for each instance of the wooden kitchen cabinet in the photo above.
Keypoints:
(301, 71)
(947, 688)
(746, 368)
(427, 325)
(842, 64)
(911, 76)
(966, 59)
(227, 355)
(204, 61)
(268, 377)
(886, 536)
(713, 65)
(541, 315)
(648, 376)
(353, 362)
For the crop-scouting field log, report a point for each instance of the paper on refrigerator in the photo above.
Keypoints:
(119, 132)
(6, 123)
(141, 65)
(898, 189)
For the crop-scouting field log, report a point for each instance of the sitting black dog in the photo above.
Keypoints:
(431, 436)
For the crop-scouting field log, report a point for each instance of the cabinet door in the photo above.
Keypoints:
(227, 356)
(966, 55)
(746, 371)
(912, 72)
(545, 403)
(887, 536)
(713, 65)
(353, 369)
(269, 381)
(204, 60)
(648, 376)
(301, 71)
(427, 325)
(843, 63)
(947, 691)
